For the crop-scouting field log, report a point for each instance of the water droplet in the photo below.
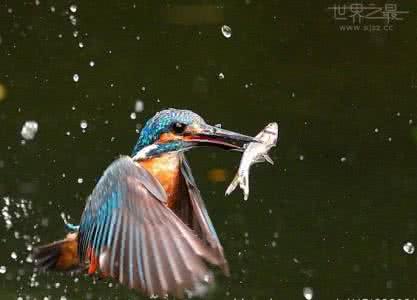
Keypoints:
(296, 260)
(343, 159)
(139, 106)
(3, 269)
(81, 44)
(133, 115)
(376, 130)
(73, 20)
(301, 157)
(92, 63)
(221, 76)
(29, 130)
(83, 124)
(80, 180)
(73, 8)
(13, 255)
(75, 77)
(226, 31)
(308, 293)
(408, 248)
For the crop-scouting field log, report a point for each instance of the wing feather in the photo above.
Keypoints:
(193, 211)
(166, 263)
(131, 261)
(123, 242)
(151, 285)
(115, 248)
(141, 284)
(156, 256)
(137, 239)
(111, 226)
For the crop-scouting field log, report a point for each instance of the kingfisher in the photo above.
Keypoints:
(145, 223)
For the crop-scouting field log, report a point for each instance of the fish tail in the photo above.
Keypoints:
(232, 186)
(60, 255)
(244, 184)
(241, 178)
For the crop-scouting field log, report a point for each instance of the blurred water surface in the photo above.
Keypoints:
(333, 214)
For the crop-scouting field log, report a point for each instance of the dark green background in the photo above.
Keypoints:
(338, 227)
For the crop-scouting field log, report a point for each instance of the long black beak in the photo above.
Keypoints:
(208, 135)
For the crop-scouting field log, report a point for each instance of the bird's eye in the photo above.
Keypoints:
(179, 127)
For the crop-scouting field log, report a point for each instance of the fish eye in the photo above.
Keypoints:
(178, 127)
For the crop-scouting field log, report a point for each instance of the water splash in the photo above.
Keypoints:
(226, 31)
(409, 248)
(73, 8)
(29, 130)
(308, 293)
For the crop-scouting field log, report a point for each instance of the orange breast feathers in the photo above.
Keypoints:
(166, 169)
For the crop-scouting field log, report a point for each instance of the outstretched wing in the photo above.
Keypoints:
(129, 233)
(193, 212)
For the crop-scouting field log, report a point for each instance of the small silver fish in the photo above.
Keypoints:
(254, 153)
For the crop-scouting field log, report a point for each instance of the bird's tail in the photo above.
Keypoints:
(241, 178)
(60, 255)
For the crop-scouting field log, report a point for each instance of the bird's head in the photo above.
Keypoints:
(174, 130)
